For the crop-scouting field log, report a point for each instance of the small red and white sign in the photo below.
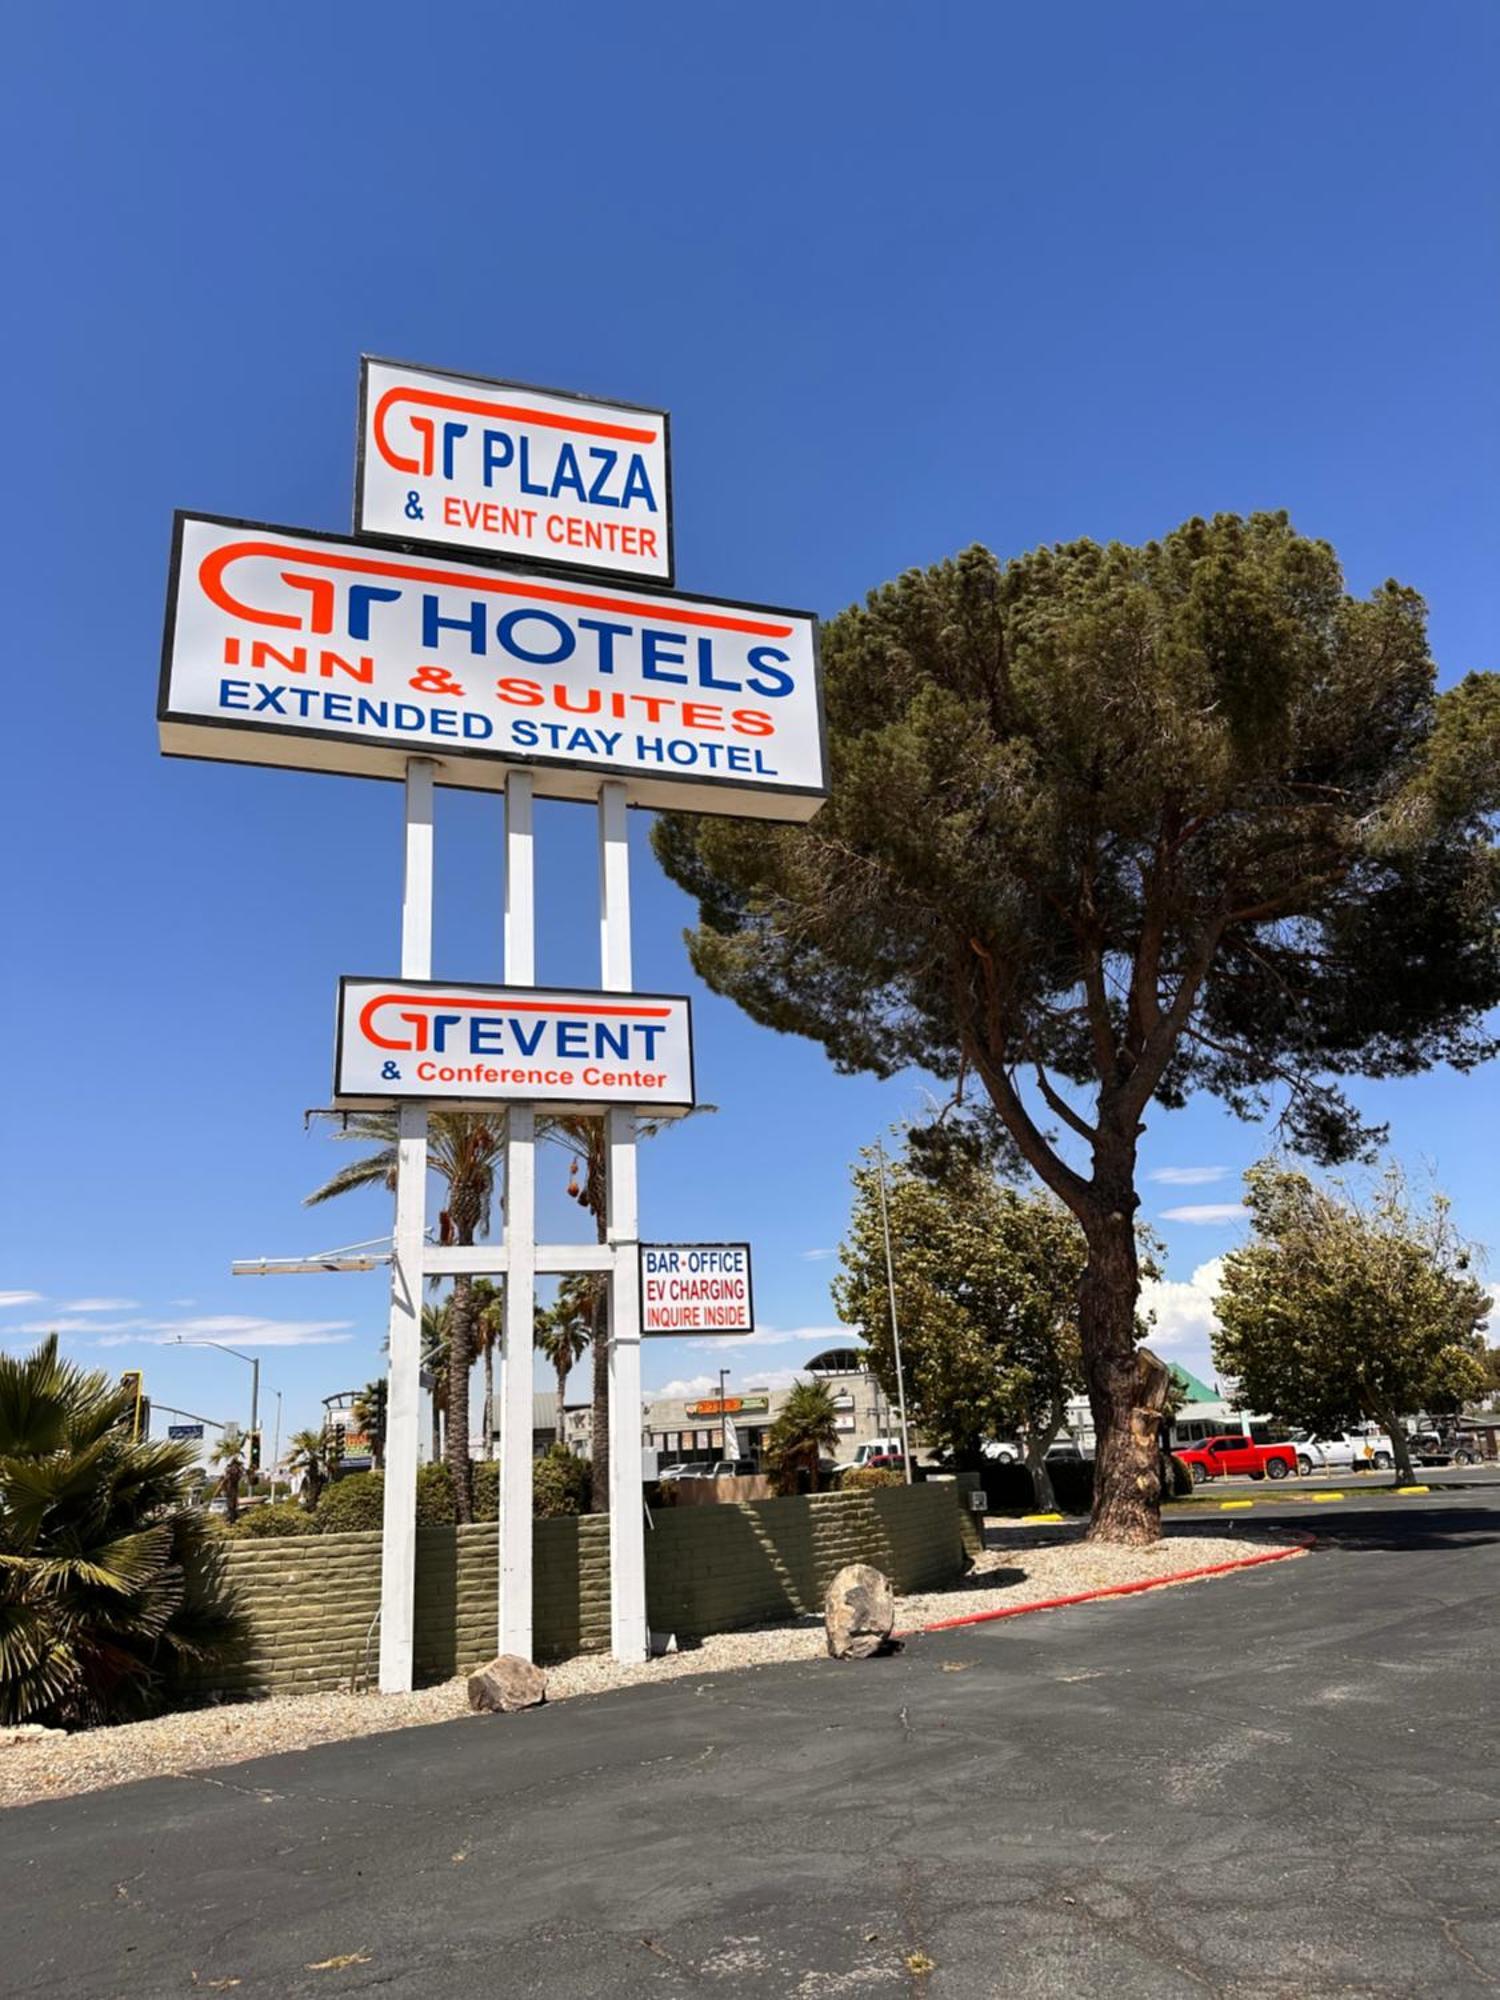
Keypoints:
(508, 471)
(696, 1288)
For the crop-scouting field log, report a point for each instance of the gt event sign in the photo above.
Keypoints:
(696, 1288)
(323, 653)
(445, 1043)
(511, 471)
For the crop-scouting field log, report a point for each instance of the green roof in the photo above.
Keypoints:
(1193, 1391)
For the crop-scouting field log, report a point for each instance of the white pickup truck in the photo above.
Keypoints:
(1345, 1451)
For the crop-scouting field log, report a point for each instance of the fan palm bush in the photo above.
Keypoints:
(806, 1428)
(106, 1602)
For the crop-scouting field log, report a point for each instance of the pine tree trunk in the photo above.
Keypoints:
(460, 1361)
(1126, 1389)
(562, 1364)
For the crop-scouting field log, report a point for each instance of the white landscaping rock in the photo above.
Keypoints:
(506, 1684)
(858, 1613)
(27, 1732)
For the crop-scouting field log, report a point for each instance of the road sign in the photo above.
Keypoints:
(178, 1431)
(513, 472)
(442, 1042)
(323, 653)
(696, 1288)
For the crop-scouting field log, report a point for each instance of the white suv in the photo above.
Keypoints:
(1345, 1451)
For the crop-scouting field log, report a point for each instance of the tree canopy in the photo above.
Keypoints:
(1339, 1311)
(1109, 825)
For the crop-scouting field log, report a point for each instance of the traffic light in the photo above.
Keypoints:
(136, 1416)
(253, 1460)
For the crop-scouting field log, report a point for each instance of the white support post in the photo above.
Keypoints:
(398, 1547)
(629, 1637)
(520, 1249)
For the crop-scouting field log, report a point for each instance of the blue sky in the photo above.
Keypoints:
(906, 277)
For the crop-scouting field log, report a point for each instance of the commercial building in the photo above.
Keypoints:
(683, 1430)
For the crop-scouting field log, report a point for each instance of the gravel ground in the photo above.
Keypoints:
(1021, 1566)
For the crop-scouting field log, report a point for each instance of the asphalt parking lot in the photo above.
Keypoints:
(1281, 1782)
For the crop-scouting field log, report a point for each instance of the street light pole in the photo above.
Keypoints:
(198, 1340)
(890, 1285)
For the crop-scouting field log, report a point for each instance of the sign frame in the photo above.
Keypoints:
(465, 766)
(503, 557)
(699, 1332)
(459, 1100)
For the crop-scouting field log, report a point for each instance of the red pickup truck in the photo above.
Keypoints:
(1235, 1456)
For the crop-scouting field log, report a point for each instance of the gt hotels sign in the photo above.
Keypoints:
(327, 654)
(441, 1042)
(511, 471)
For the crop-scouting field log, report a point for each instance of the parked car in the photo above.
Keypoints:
(1429, 1447)
(1345, 1451)
(1005, 1451)
(1234, 1455)
(884, 1461)
(873, 1448)
(698, 1469)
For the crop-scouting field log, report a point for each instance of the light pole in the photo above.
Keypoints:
(890, 1281)
(197, 1340)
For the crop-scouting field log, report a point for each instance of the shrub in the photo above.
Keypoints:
(348, 1505)
(435, 1508)
(1072, 1484)
(287, 1517)
(1008, 1488)
(865, 1478)
(487, 1490)
(1181, 1485)
(107, 1603)
(560, 1483)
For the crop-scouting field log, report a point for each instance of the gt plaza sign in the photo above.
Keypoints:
(507, 470)
(500, 622)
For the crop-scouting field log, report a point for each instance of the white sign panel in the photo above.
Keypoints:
(431, 1039)
(696, 1288)
(322, 653)
(513, 472)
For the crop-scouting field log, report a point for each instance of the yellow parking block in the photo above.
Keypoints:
(1235, 1503)
(1408, 1489)
(1327, 1496)
(1039, 1520)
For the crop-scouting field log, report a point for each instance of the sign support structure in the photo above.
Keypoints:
(398, 1542)
(520, 1242)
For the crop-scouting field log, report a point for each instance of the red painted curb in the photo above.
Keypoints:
(1114, 1589)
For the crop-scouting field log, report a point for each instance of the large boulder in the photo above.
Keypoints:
(858, 1612)
(506, 1684)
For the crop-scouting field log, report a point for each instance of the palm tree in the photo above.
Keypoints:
(565, 1330)
(805, 1429)
(228, 1453)
(463, 1148)
(489, 1335)
(305, 1455)
(104, 1598)
(368, 1412)
(434, 1365)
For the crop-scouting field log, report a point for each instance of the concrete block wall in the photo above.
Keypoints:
(308, 1602)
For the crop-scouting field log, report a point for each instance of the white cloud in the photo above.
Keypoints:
(1189, 1176)
(690, 1387)
(817, 1256)
(18, 1299)
(773, 1336)
(97, 1305)
(1206, 1212)
(1184, 1309)
(234, 1329)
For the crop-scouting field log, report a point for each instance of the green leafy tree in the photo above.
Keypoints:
(463, 1149)
(1109, 826)
(564, 1331)
(104, 1608)
(305, 1454)
(986, 1283)
(1339, 1311)
(805, 1429)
